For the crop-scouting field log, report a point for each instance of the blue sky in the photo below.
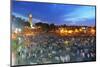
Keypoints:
(55, 13)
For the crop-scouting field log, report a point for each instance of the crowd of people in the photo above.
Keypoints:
(50, 48)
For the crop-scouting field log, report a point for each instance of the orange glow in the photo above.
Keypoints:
(70, 31)
(93, 31)
(76, 30)
(62, 30)
(66, 31)
(80, 29)
(13, 36)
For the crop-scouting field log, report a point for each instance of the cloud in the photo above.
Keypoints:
(36, 20)
(80, 14)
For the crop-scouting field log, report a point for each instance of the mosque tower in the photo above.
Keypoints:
(30, 20)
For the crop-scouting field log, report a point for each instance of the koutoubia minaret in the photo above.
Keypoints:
(30, 20)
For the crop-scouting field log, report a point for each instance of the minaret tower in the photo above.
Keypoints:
(30, 20)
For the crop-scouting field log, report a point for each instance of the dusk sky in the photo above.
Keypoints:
(55, 13)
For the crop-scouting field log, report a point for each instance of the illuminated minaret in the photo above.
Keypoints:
(30, 20)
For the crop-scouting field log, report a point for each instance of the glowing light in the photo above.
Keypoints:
(80, 29)
(16, 30)
(13, 36)
(66, 31)
(32, 27)
(70, 31)
(93, 31)
(76, 30)
(66, 42)
(83, 28)
(30, 15)
(19, 30)
(62, 30)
